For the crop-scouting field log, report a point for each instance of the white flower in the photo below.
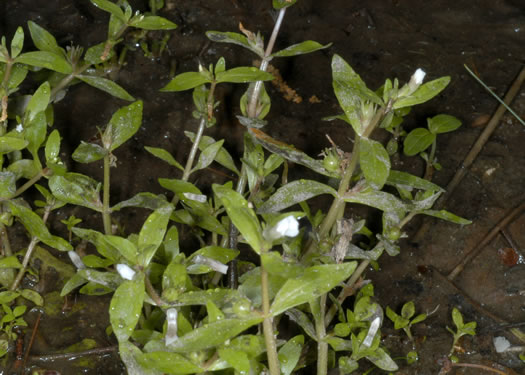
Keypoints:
(125, 271)
(501, 344)
(19, 128)
(289, 226)
(418, 76)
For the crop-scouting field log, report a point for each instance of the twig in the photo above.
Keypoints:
(31, 340)
(60, 356)
(474, 151)
(473, 252)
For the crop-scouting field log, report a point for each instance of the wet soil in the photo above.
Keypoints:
(380, 39)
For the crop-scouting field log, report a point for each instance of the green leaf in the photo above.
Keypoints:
(243, 74)
(418, 140)
(123, 124)
(208, 155)
(279, 4)
(382, 360)
(274, 264)
(45, 59)
(143, 200)
(10, 262)
(110, 7)
(403, 179)
(234, 38)
(300, 49)
(290, 353)
(18, 74)
(88, 153)
(186, 81)
(8, 296)
(443, 124)
(290, 153)
(218, 253)
(126, 306)
(32, 296)
(378, 199)
(125, 247)
(168, 363)
(106, 85)
(351, 91)
(238, 359)
(98, 240)
(424, 93)
(17, 43)
(9, 144)
(448, 216)
(408, 310)
(164, 155)
(212, 334)
(39, 101)
(222, 157)
(7, 185)
(152, 233)
(293, 193)
(315, 281)
(374, 162)
(241, 215)
(43, 40)
(36, 227)
(76, 189)
(152, 23)
(52, 147)
(457, 318)
(95, 53)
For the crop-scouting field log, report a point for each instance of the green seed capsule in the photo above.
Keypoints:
(331, 162)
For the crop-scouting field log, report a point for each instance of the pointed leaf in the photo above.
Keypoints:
(126, 306)
(39, 101)
(222, 157)
(124, 124)
(279, 4)
(152, 233)
(17, 43)
(382, 360)
(300, 48)
(303, 321)
(110, 7)
(125, 247)
(238, 359)
(43, 40)
(418, 140)
(143, 200)
(424, 93)
(98, 240)
(129, 354)
(208, 155)
(315, 281)
(152, 23)
(241, 215)
(45, 59)
(378, 199)
(186, 81)
(448, 216)
(234, 38)
(106, 85)
(213, 334)
(290, 353)
(403, 179)
(52, 146)
(374, 161)
(88, 152)
(243, 74)
(293, 193)
(164, 155)
(7, 185)
(76, 189)
(36, 227)
(9, 144)
(443, 124)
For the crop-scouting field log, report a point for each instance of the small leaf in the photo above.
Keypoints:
(279, 4)
(143, 200)
(448, 216)
(152, 23)
(234, 38)
(300, 49)
(374, 161)
(17, 43)
(110, 7)
(222, 157)
(125, 247)
(382, 360)
(43, 40)
(408, 310)
(378, 199)
(238, 359)
(106, 85)
(8, 296)
(418, 140)
(152, 233)
(243, 74)
(208, 155)
(88, 153)
(126, 306)
(443, 124)
(186, 81)
(424, 93)
(9, 144)
(315, 281)
(403, 179)
(124, 124)
(45, 59)
(32, 296)
(7, 185)
(76, 189)
(290, 353)
(457, 318)
(164, 155)
(39, 101)
(241, 215)
(52, 146)
(293, 193)
(98, 240)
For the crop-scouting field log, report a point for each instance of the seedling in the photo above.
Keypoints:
(462, 329)
(405, 321)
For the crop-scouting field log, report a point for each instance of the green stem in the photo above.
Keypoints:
(322, 346)
(269, 336)
(106, 211)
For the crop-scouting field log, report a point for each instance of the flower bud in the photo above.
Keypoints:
(125, 271)
(416, 80)
(289, 227)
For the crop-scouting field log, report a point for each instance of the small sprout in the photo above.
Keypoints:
(461, 329)
(125, 271)
(404, 321)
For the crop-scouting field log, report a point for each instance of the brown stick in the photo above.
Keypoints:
(33, 335)
(473, 252)
(474, 151)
